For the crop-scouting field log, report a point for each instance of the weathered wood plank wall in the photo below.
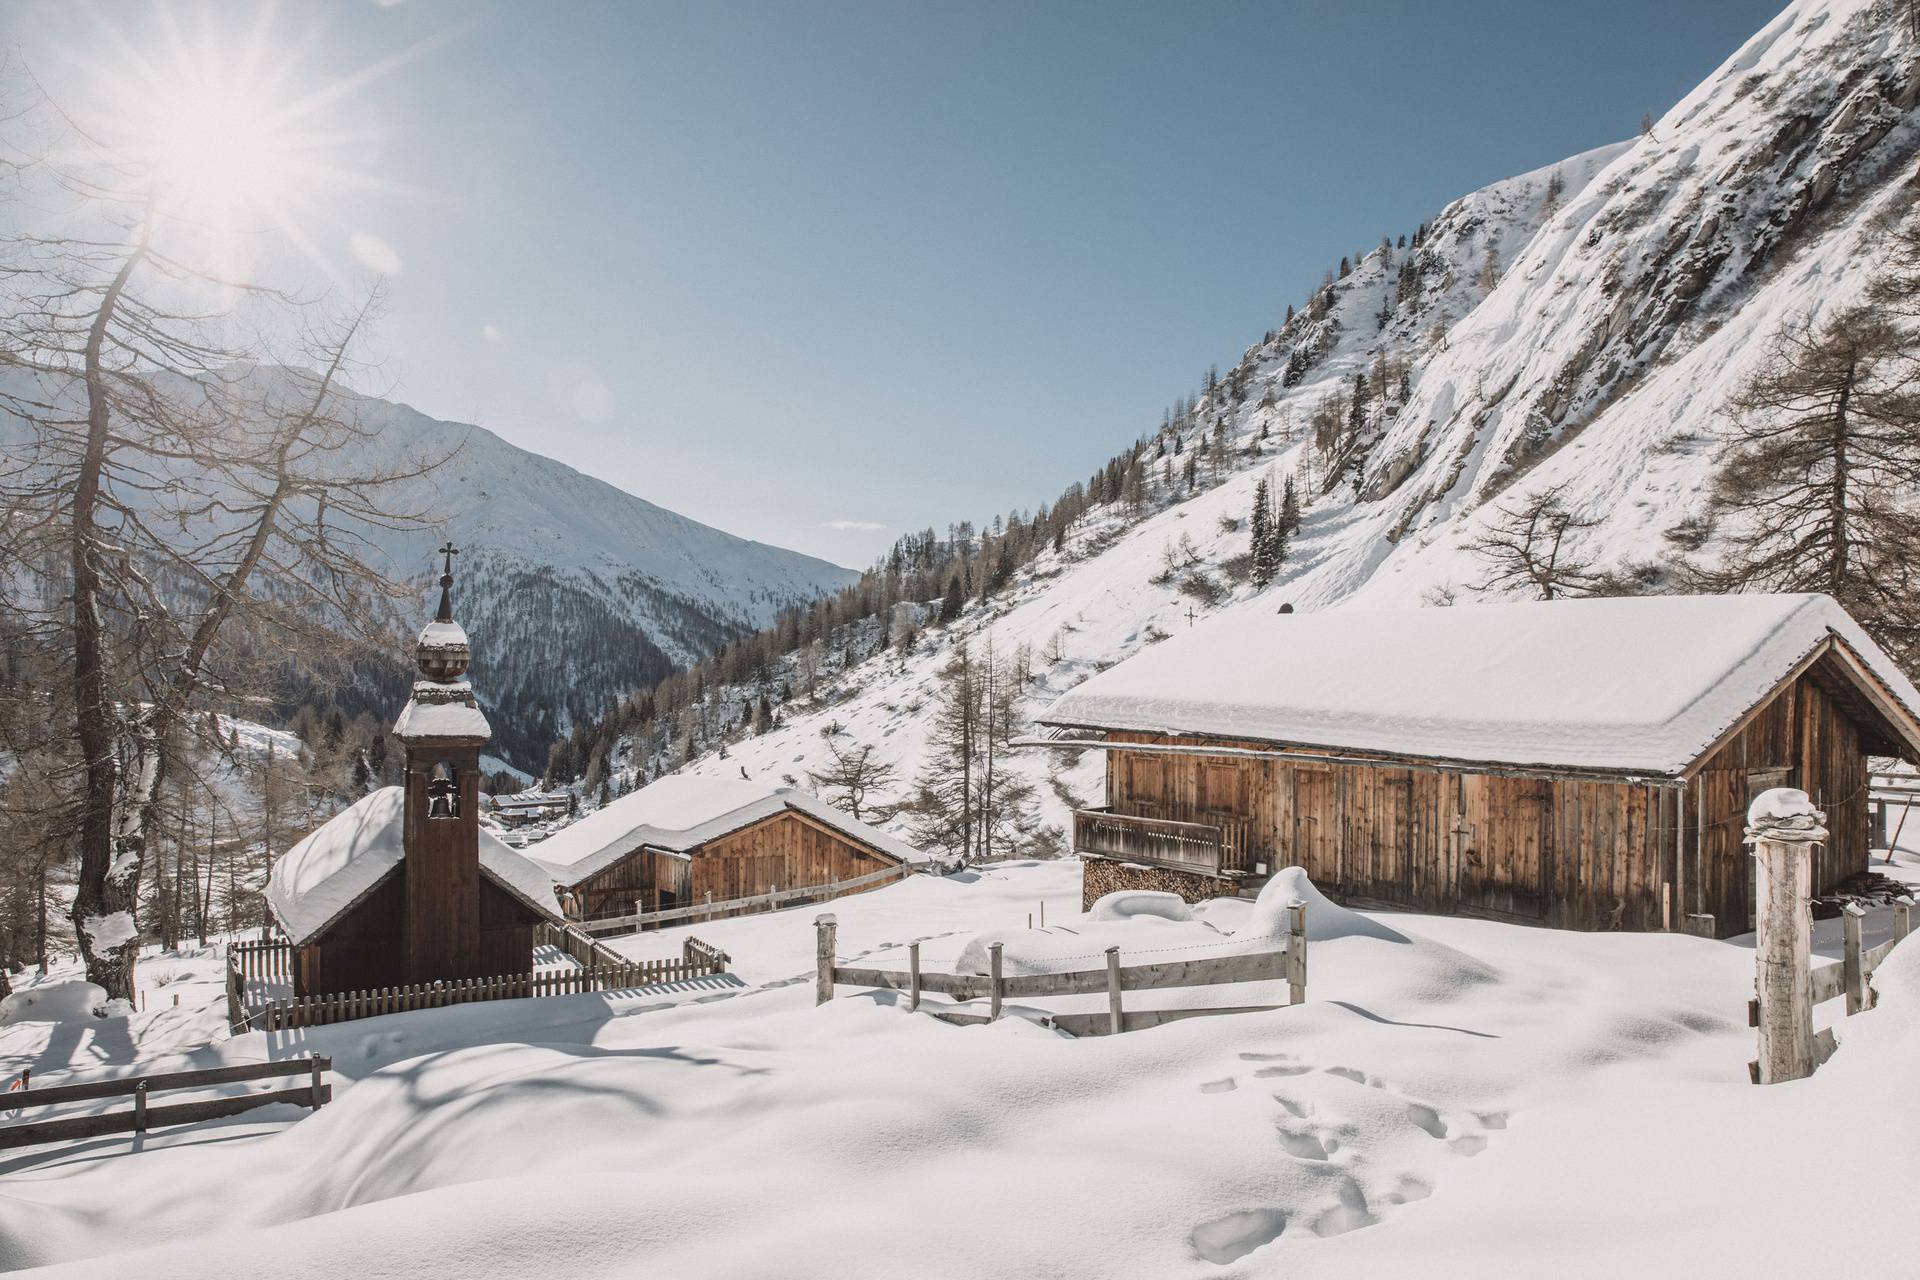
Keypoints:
(1574, 853)
(781, 851)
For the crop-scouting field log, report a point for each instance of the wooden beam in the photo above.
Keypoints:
(1419, 764)
(125, 1086)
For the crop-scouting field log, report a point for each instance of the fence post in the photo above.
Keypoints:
(1296, 952)
(140, 1107)
(1781, 825)
(1114, 1017)
(314, 1060)
(999, 992)
(824, 931)
(1853, 970)
(1902, 919)
(913, 975)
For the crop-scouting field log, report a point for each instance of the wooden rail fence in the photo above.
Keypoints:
(1783, 827)
(314, 1094)
(697, 960)
(1850, 976)
(1289, 966)
(773, 899)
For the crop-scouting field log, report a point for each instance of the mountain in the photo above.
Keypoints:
(1578, 327)
(573, 591)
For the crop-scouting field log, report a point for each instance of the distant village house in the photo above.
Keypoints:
(685, 840)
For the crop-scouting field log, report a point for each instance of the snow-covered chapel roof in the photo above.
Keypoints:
(1632, 685)
(318, 880)
(681, 812)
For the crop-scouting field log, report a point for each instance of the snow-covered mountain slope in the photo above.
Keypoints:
(574, 592)
(1632, 288)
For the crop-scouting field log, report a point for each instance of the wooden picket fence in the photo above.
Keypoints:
(1850, 976)
(577, 944)
(1115, 978)
(267, 960)
(314, 1094)
(697, 960)
(771, 900)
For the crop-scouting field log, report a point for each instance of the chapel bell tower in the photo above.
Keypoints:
(442, 730)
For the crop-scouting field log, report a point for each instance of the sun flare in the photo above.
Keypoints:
(219, 153)
(235, 141)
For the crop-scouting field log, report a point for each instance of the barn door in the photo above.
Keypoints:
(1315, 826)
(1502, 845)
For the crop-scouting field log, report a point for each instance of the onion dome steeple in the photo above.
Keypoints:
(441, 652)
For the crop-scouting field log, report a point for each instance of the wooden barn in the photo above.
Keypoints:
(403, 886)
(685, 840)
(1585, 763)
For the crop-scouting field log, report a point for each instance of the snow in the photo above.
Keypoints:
(115, 929)
(1477, 1098)
(1325, 918)
(443, 635)
(1572, 683)
(1126, 904)
(339, 864)
(680, 811)
(442, 709)
(1786, 813)
(66, 1001)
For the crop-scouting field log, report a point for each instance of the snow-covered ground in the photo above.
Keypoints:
(1457, 1097)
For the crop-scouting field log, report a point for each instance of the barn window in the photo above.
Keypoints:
(443, 792)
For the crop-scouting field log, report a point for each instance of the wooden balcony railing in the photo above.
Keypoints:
(1209, 848)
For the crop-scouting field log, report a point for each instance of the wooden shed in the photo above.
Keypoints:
(1585, 764)
(687, 840)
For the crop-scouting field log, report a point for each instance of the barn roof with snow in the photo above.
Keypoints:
(679, 813)
(337, 867)
(1630, 685)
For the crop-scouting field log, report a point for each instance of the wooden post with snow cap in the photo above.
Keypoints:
(999, 993)
(1853, 968)
(1115, 1020)
(824, 931)
(1782, 824)
(1296, 952)
(913, 978)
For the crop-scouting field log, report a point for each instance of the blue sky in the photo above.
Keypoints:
(821, 273)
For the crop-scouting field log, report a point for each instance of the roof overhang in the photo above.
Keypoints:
(1093, 738)
(498, 881)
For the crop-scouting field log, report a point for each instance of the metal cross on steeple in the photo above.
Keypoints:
(446, 583)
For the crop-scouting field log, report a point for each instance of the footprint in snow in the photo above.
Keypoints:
(1344, 1153)
(1234, 1236)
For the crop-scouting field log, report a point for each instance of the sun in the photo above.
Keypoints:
(230, 142)
(217, 153)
